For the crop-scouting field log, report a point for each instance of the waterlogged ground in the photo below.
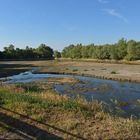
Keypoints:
(119, 98)
(122, 71)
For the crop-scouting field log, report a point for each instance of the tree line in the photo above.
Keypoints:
(42, 52)
(123, 49)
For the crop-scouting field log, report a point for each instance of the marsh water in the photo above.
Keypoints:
(119, 98)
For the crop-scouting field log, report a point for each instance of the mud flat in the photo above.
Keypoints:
(112, 71)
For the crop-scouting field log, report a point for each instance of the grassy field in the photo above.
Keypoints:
(36, 107)
(123, 71)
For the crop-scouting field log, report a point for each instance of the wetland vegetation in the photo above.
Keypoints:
(69, 106)
(76, 118)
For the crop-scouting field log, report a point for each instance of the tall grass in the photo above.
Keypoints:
(11, 96)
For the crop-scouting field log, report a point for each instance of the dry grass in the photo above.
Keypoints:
(78, 116)
(63, 80)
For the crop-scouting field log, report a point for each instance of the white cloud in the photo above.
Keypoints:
(103, 1)
(114, 13)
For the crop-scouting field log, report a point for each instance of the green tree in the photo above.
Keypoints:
(114, 52)
(1, 55)
(131, 49)
(76, 51)
(122, 48)
(45, 51)
(9, 51)
(67, 51)
(102, 52)
(57, 54)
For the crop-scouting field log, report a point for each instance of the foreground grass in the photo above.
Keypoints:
(86, 119)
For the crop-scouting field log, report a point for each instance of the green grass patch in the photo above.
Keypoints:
(30, 87)
(113, 72)
(74, 70)
(31, 100)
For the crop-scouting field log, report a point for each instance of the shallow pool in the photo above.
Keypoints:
(119, 98)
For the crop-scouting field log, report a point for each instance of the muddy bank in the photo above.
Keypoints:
(12, 68)
(121, 72)
(106, 77)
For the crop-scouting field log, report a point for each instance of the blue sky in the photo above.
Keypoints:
(59, 23)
